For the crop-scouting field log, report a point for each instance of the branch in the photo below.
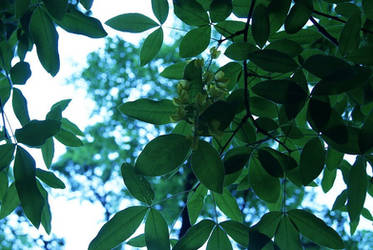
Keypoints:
(323, 31)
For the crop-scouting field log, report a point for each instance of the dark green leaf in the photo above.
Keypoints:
(278, 11)
(241, 8)
(6, 55)
(298, 16)
(160, 10)
(195, 41)
(46, 215)
(56, 110)
(156, 231)
(4, 89)
(325, 66)
(29, 195)
(236, 158)
(268, 223)
(174, 71)
(183, 128)
(230, 29)
(151, 46)
(359, 55)
(76, 22)
(155, 112)
(270, 163)
(45, 37)
(163, 155)
(220, 10)
(260, 25)
(57, 8)
(218, 240)
(190, 12)
(312, 160)
(137, 185)
(36, 132)
(208, 167)
(366, 214)
(237, 231)
(47, 150)
(138, 241)
(9, 202)
(287, 236)
(50, 179)
(196, 236)
(328, 179)
(239, 51)
(119, 228)
(20, 107)
(195, 203)
(333, 158)
(349, 39)
(87, 4)
(6, 155)
(228, 205)
(20, 72)
(356, 189)
(264, 185)
(286, 46)
(273, 61)
(315, 229)
(216, 118)
(4, 182)
(131, 22)
(340, 201)
(262, 107)
(258, 240)
(67, 138)
(366, 133)
(368, 8)
(21, 7)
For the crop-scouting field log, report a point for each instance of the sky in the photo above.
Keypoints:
(74, 220)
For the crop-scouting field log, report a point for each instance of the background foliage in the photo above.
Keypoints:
(291, 97)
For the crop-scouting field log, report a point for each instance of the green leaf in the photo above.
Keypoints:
(50, 179)
(325, 66)
(57, 8)
(340, 201)
(241, 8)
(239, 50)
(131, 22)
(260, 25)
(21, 7)
(151, 46)
(156, 231)
(6, 155)
(196, 236)
(368, 8)
(67, 138)
(298, 16)
(119, 228)
(190, 12)
(20, 72)
(349, 39)
(366, 214)
(315, 229)
(208, 167)
(356, 189)
(137, 185)
(359, 55)
(286, 46)
(365, 134)
(160, 9)
(4, 182)
(4, 89)
(35, 132)
(76, 22)
(237, 231)
(155, 112)
(20, 107)
(29, 195)
(286, 235)
(56, 110)
(265, 186)
(216, 118)
(220, 10)
(312, 160)
(46, 215)
(228, 205)
(270, 163)
(195, 41)
(262, 107)
(195, 203)
(87, 4)
(268, 223)
(328, 179)
(45, 37)
(174, 71)
(71, 127)
(6, 55)
(229, 29)
(9, 202)
(47, 150)
(138, 241)
(236, 158)
(218, 240)
(273, 61)
(333, 158)
(170, 151)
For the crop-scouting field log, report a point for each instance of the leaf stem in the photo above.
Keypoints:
(324, 32)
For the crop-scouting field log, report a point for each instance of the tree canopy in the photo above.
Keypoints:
(291, 95)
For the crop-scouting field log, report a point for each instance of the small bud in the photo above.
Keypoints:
(219, 76)
(214, 53)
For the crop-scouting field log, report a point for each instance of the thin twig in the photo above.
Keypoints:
(324, 32)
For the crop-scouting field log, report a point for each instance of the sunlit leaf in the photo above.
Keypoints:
(190, 12)
(67, 138)
(20, 109)
(119, 228)
(195, 41)
(228, 205)
(208, 167)
(312, 160)
(151, 46)
(35, 132)
(218, 240)
(131, 22)
(315, 229)
(29, 195)
(20, 72)
(45, 37)
(196, 236)
(155, 112)
(49, 178)
(136, 184)
(162, 155)
(156, 231)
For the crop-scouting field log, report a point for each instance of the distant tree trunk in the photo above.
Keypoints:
(185, 223)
